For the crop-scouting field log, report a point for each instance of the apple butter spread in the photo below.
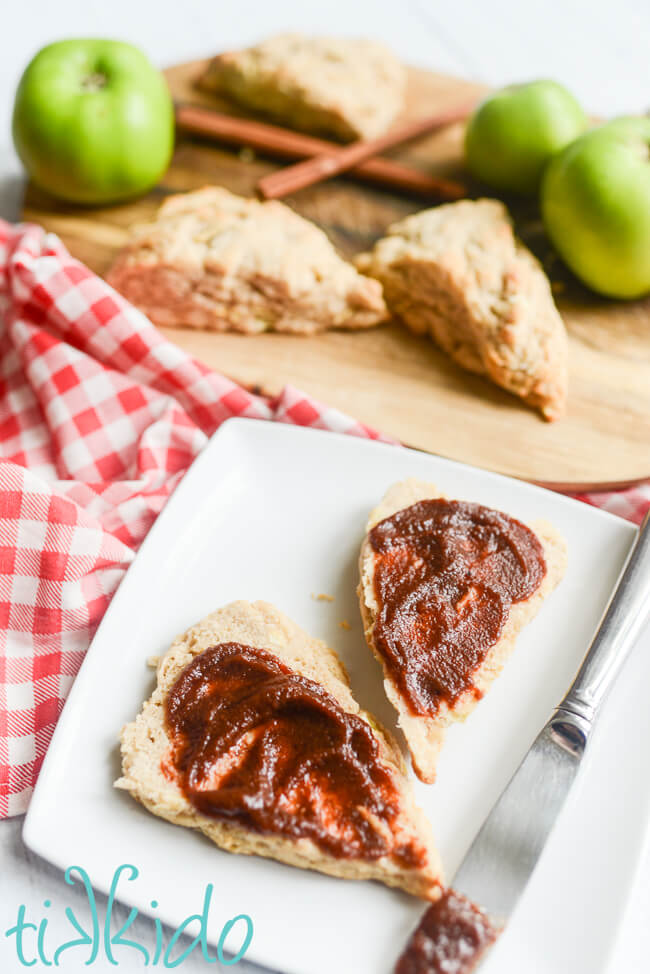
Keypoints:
(445, 576)
(256, 744)
(451, 938)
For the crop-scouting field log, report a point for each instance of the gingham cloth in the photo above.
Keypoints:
(100, 417)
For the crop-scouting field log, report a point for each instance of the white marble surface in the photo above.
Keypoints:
(597, 48)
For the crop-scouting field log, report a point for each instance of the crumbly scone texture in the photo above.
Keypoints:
(459, 274)
(145, 744)
(425, 735)
(347, 87)
(214, 260)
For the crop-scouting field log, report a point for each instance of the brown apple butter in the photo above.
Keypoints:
(257, 744)
(446, 574)
(451, 938)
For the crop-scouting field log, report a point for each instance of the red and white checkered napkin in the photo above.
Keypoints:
(100, 417)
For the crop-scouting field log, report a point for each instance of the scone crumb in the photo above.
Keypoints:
(322, 597)
(344, 624)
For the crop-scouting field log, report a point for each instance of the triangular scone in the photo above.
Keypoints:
(347, 87)
(282, 779)
(214, 260)
(458, 274)
(445, 589)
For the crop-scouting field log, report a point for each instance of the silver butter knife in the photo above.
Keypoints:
(503, 855)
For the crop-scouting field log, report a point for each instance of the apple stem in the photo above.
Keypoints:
(94, 82)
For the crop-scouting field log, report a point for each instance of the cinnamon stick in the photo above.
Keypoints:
(287, 144)
(332, 162)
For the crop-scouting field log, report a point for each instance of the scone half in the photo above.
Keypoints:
(348, 87)
(212, 259)
(151, 770)
(425, 729)
(458, 274)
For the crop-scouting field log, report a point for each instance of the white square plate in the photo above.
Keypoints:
(277, 512)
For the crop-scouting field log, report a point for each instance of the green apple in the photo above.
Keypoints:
(93, 121)
(596, 207)
(514, 132)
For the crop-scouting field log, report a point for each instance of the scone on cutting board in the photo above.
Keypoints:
(214, 260)
(458, 274)
(347, 87)
(445, 588)
(253, 737)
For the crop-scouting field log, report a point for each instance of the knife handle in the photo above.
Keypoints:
(622, 622)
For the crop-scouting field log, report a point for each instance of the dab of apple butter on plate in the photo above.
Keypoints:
(451, 938)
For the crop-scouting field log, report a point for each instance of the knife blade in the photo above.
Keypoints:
(504, 853)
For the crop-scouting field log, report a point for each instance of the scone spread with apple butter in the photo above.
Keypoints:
(458, 274)
(350, 88)
(253, 737)
(214, 260)
(446, 587)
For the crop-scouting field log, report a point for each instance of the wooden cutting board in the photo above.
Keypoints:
(387, 377)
